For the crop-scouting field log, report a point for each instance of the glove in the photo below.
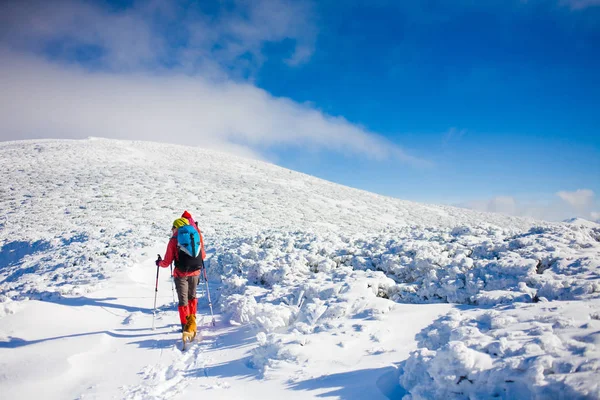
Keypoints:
(159, 259)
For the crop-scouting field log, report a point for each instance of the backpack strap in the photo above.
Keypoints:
(193, 243)
(176, 255)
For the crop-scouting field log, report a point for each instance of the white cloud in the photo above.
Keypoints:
(124, 39)
(580, 4)
(39, 99)
(500, 204)
(503, 204)
(581, 203)
(133, 94)
(579, 199)
(150, 34)
(453, 134)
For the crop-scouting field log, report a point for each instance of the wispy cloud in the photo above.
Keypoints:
(453, 134)
(580, 4)
(563, 205)
(167, 71)
(39, 99)
(161, 33)
(580, 199)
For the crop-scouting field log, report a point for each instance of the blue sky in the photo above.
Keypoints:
(520, 84)
(492, 106)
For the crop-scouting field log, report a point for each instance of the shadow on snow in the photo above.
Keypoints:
(13, 253)
(15, 342)
(103, 302)
(239, 336)
(357, 384)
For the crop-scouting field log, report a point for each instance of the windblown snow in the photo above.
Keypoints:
(318, 290)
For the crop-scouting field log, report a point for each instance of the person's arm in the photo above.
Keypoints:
(169, 254)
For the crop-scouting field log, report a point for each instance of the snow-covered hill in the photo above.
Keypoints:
(320, 289)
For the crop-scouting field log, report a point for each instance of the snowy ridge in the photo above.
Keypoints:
(310, 278)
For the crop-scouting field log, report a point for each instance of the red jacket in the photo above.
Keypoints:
(171, 252)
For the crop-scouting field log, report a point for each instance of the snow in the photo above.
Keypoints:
(319, 290)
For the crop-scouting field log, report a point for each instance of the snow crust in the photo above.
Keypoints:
(312, 269)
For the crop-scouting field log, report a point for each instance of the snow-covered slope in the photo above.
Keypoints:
(319, 289)
(102, 199)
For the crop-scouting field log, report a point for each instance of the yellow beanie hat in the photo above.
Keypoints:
(179, 222)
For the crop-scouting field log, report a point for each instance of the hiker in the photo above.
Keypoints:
(189, 260)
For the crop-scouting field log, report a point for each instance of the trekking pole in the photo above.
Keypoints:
(208, 293)
(201, 285)
(172, 283)
(155, 294)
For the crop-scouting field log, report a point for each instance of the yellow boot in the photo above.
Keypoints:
(190, 326)
(189, 330)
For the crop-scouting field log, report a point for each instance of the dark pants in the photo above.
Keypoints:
(186, 289)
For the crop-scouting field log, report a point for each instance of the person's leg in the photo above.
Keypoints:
(192, 300)
(181, 284)
(192, 303)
